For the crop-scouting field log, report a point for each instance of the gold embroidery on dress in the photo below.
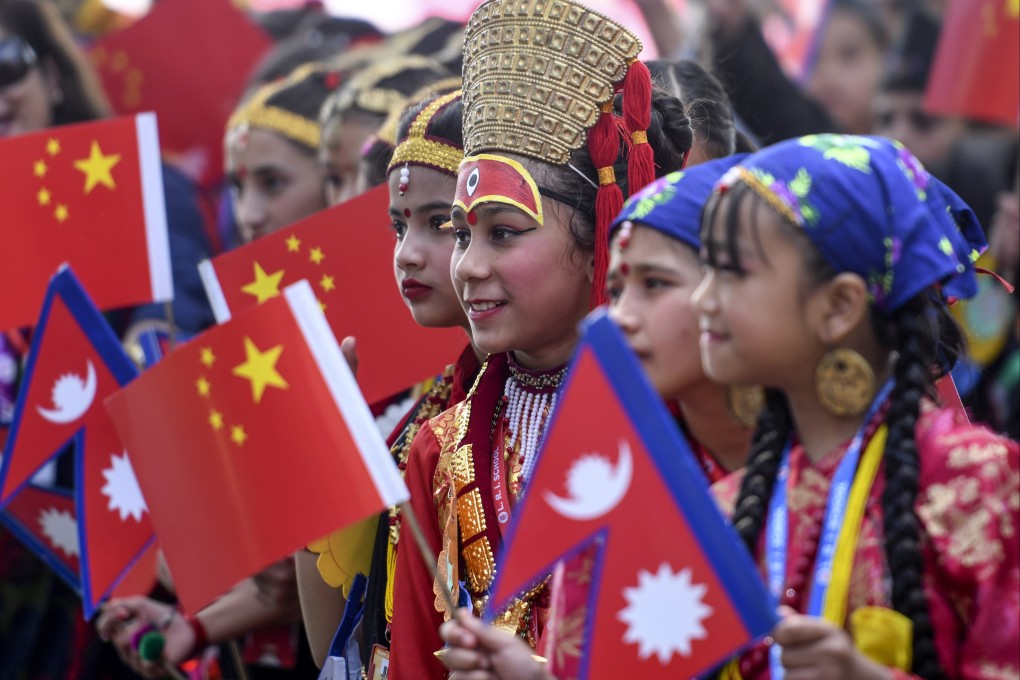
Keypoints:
(972, 453)
(463, 467)
(480, 563)
(948, 512)
(471, 514)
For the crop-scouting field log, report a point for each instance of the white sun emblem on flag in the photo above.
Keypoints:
(60, 527)
(122, 488)
(664, 613)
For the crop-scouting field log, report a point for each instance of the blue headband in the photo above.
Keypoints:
(672, 204)
(870, 208)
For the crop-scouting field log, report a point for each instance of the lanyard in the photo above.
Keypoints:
(776, 537)
(500, 489)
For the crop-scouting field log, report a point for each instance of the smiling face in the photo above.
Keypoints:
(757, 316)
(274, 183)
(421, 257)
(26, 104)
(650, 283)
(525, 286)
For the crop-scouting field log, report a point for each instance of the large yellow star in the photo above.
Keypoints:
(97, 168)
(1013, 8)
(265, 286)
(260, 368)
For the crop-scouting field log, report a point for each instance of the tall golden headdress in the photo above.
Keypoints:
(539, 81)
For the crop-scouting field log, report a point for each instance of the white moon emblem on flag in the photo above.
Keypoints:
(664, 613)
(595, 487)
(122, 488)
(72, 397)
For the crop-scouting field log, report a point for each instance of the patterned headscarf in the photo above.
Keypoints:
(870, 208)
(672, 204)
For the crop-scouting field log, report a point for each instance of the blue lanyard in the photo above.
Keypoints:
(777, 528)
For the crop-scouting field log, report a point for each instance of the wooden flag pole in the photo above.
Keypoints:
(427, 555)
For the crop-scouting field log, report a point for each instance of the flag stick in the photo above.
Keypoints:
(428, 555)
(172, 331)
(235, 656)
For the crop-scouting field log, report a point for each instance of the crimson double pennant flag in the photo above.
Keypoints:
(241, 439)
(45, 520)
(90, 195)
(346, 253)
(75, 362)
(673, 591)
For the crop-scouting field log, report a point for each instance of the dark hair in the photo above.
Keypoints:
(866, 13)
(39, 24)
(670, 137)
(926, 340)
(446, 124)
(705, 101)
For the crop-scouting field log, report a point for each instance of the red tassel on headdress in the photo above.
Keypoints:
(604, 146)
(637, 115)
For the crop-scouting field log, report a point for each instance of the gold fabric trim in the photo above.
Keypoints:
(418, 150)
(481, 564)
(768, 196)
(471, 514)
(639, 136)
(536, 73)
(256, 114)
(361, 90)
(607, 175)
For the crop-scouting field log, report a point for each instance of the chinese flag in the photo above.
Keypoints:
(346, 253)
(75, 362)
(45, 521)
(90, 195)
(194, 51)
(977, 67)
(240, 438)
(666, 602)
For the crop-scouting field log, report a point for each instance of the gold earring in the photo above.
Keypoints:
(745, 403)
(844, 382)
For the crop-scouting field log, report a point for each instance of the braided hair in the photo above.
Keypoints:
(916, 332)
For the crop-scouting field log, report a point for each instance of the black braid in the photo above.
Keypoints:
(915, 332)
(751, 508)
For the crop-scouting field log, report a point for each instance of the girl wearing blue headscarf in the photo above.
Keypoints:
(886, 526)
(653, 269)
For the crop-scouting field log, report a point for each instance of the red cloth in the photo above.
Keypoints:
(969, 506)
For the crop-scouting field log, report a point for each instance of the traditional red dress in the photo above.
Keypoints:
(969, 507)
(458, 502)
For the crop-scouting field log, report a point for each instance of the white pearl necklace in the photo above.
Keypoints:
(527, 415)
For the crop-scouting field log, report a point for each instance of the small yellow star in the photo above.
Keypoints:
(238, 435)
(293, 243)
(265, 286)
(316, 255)
(203, 386)
(216, 420)
(39, 168)
(207, 357)
(98, 168)
(43, 196)
(327, 283)
(52, 146)
(322, 305)
(260, 368)
(61, 213)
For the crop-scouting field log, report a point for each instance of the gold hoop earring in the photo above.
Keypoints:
(844, 382)
(745, 404)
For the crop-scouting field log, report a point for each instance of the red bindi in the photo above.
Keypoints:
(625, 268)
(472, 218)
(241, 172)
(407, 212)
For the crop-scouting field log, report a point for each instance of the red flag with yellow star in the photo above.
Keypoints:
(977, 67)
(239, 438)
(346, 253)
(89, 195)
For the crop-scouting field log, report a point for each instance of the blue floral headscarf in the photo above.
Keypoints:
(672, 204)
(870, 208)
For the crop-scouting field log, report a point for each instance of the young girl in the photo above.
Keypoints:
(886, 526)
(422, 177)
(653, 269)
(531, 223)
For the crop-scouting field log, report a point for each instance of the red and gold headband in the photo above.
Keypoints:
(489, 178)
(421, 148)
